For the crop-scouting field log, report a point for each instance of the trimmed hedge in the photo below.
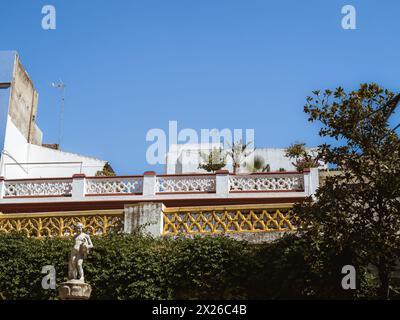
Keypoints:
(136, 266)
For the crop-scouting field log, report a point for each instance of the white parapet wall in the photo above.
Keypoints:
(185, 158)
(23, 160)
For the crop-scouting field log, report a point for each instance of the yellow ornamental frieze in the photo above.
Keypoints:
(235, 219)
(191, 221)
(61, 224)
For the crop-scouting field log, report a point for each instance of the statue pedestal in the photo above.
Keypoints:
(74, 290)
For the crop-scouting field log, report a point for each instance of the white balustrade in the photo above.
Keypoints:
(185, 183)
(222, 184)
(266, 182)
(38, 188)
(117, 185)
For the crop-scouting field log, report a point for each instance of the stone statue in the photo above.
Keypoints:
(78, 253)
(76, 288)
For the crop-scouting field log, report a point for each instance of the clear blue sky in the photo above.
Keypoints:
(131, 66)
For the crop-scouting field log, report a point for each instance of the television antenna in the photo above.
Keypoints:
(61, 86)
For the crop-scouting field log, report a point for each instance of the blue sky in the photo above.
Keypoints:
(131, 66)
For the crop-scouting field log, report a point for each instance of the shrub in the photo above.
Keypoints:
(136, 266)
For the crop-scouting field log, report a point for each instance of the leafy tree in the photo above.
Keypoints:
(303, 158)
(214, 161)
(356, 217)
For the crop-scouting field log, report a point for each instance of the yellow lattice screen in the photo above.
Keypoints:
(61, 224)
(234, 219)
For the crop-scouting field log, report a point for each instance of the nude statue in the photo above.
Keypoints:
(78, 253)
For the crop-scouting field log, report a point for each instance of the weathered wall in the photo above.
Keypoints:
(23, 102)
(253, 237)
(145, 217)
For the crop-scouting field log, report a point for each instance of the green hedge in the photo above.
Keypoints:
(140, 267)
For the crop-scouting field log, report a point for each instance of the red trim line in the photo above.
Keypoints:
(186, 175)
(40, 179)
(269, 173)
(104, 205)
(186, 192)
(263, 191)
(79, 176)
(34, 197)
(152, 173)
(114, 194)
(113, 178)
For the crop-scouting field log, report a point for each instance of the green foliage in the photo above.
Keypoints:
(356, 218)
(136, 266)
(140, 267)
(303, 158)
(107, 171)
(214, 161)
(21, 262)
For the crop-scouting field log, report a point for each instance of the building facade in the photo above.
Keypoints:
(23, 155)
(44, 191)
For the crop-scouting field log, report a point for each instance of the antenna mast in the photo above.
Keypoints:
(61, 86)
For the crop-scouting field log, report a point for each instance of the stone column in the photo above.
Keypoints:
(144, 216)
(311, 181)
(149, 183)
(222, 182)
(2, 188)
(78, 186)
(314, 181)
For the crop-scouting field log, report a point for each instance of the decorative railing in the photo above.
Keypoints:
(185, 183)
(118, 185)
(61, 224)
(267, 182)
(235, 219)
(222, 184)
(38, 188)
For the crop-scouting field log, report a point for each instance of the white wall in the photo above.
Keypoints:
(275, 157)
(185, 158)
(17, 150)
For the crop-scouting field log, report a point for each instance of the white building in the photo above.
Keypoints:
(23, 155)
